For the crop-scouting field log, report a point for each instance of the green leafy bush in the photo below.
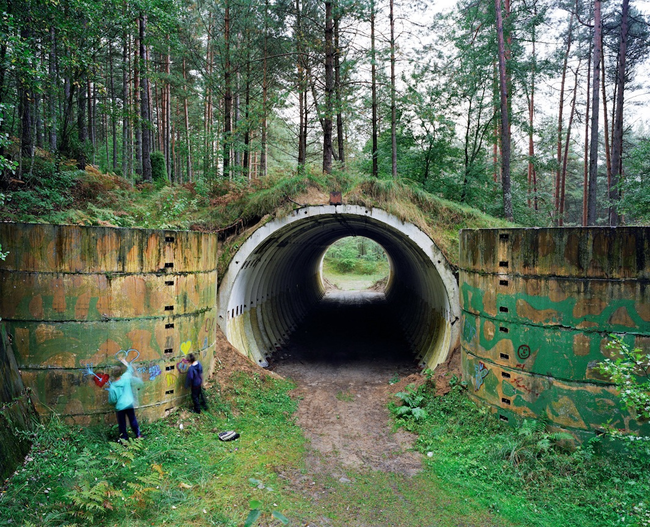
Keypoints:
(412, 401)
(629, 369)
(356, 255)
(46, 190)
(158, 168)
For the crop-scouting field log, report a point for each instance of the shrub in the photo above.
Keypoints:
(412, 402)
(629, 369)
(158, 168)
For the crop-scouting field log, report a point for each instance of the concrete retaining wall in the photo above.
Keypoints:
(76, 299)
(538, 307)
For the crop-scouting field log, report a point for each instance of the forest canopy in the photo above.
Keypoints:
(530, 110)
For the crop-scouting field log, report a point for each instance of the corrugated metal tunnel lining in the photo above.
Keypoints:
(275, 279)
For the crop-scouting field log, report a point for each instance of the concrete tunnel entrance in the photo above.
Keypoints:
(274, 281)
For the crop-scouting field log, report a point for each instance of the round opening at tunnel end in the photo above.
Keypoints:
(355, 263)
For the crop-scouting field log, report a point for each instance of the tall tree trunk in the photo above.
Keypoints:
(208, 144)
(144, 103)
(39, 103)
(532, 174)
(188, 144)
(393, 102)
(25, 97)
(168, 114)
(38, 120)
(105, 118)
(113, 111)
(373, 69)
(265, 95)
(560, 123)
(227, 98)
(329, 88)
(302, 90)
(53, 90)
(91, 116)
(505, 118)
(235, 121)
(68, 112)
(585, 183)
(595, 108)
(81, 125)
(247, 101)
(617, 140)
(125, 108)
(3, 73)
(158, 102)
(338, 92)
(608, 157)
(565, 158)
(137, 105)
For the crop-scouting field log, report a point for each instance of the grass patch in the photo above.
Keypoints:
(346, 397)
(529, 475)
(478, 472)
(390, 499)
(176, 475)
(355, 281)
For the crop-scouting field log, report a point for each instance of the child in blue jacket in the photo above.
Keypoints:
(121, 395)
(194, 381)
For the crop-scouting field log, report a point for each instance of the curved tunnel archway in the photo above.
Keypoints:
(274, 280)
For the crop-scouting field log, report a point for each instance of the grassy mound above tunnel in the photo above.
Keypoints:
(440, 219)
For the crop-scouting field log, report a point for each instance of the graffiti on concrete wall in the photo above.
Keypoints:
(80, 294)
(523, 351)
(183, 365)
(129, 355)
(148, 370)
(100, 379)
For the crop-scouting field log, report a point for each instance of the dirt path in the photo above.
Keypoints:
(342, 359)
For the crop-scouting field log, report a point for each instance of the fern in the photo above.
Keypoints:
(126, 452)
(93, 499)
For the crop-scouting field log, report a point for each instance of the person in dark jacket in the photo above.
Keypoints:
(194, 381)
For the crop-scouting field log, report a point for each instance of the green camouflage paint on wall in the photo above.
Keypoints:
(74, 299)
(569, 405)
(538, 306)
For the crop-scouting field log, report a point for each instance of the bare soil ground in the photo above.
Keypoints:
(342, 358)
